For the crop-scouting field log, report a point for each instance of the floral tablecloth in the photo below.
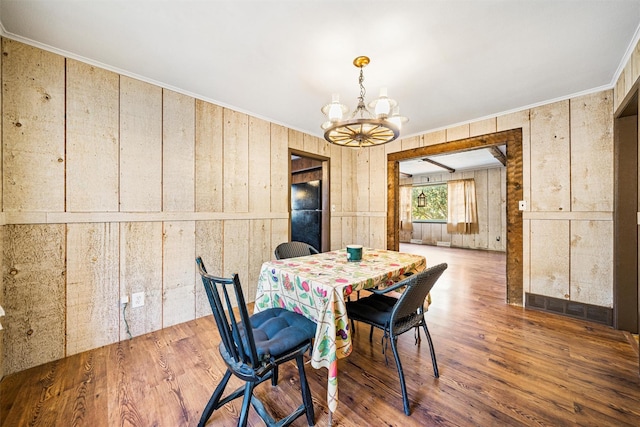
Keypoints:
(317, 286)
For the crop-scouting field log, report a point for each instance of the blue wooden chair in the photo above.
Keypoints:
(253, 347)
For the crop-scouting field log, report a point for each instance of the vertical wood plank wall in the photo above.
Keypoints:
(627, 79)
(1, 242)
(91, 139)
(92, 281)
(143, 179)
(114, 185)
(568, 187)
(33, 135)
(140, 187)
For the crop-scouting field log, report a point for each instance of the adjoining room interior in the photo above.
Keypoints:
(437, 170)
(310, 190)
(487, 167)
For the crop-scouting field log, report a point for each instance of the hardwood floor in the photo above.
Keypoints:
(500, 365)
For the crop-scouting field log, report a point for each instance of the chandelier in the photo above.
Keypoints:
(365, 127)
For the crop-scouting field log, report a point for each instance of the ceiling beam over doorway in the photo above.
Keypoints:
(495, 151)
(440, 165)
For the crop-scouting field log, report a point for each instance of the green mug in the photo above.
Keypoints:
(354, 252)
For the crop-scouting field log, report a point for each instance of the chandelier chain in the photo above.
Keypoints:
(361, 107)
(362, 89)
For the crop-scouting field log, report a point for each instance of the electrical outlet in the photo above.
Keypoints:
(124, 299)
(137, 299)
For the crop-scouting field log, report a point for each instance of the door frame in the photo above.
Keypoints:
(626, 292)
(325, 228)
(513, 140)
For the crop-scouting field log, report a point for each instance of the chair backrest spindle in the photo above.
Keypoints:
(235, 333)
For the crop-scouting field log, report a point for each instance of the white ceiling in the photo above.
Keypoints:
(468, 160)
(445, 62)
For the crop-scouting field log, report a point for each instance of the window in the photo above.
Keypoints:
(435, 208)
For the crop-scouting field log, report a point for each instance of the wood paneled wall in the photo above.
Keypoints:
(112, 186)
(1, 246)
(491, 195)
(572, 200)
(628, 79)
(568, 186)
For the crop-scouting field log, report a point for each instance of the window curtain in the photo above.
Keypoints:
(406, 226)
(463, 211)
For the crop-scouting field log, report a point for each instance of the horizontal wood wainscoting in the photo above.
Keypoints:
(500, 365)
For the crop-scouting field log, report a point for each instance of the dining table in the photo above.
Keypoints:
(318, 286)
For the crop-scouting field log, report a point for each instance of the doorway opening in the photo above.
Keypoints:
(309, 214)
(626, 304)
(513, 141)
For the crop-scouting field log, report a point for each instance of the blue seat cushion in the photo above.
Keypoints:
(277, 331)
(374, 309)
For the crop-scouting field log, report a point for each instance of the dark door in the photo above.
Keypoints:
(306, 213)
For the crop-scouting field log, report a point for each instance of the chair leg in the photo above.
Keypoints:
(212, 405)
(403, 386)
(306, 392)
(246, 404)
(432, 350)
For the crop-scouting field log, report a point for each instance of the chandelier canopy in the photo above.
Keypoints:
(376, 124)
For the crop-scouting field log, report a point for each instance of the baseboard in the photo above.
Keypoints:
(577, 310)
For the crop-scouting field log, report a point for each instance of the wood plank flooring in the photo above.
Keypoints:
(500, 365)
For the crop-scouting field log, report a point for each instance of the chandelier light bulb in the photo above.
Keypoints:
(397, 119)
(335, 111)
(383, 106)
